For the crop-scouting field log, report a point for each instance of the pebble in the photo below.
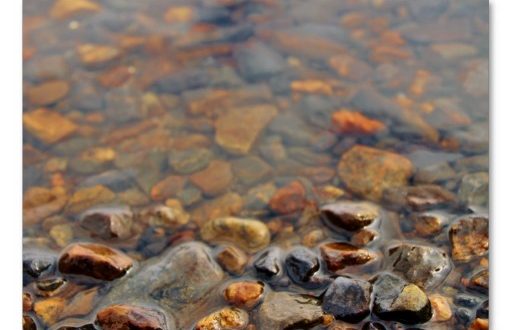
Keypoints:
(85, 198)
(441, 308)
(95, 55)
(479, 281)
(474, 189)
(228, 318)
(118, 317)
(48, 126)
(349, 215)
(338, 255)
(165, 216)
(94, 260)
(232, 259)
(65, 9)
(248, 234)
(420, 198)
(47, 93)
(301, 264)
(348, 299)
(244, 294)
(40, 203)
(226, 205)
(62, 234)
(428, 224)
(237, 129)
(351, 122)
(483, 310)
(368, 171)
(168, 187)
(268, 263)
(190, 161)
(469, 237)
(216, 179)
(108, 223)
(251, 170)
(28, 323)
(257, 60)
(50, 309)
(37, 263)
(289, 199)
(479, 324)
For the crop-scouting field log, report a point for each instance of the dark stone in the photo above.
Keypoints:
(86, 97)
(464, 315)
(338, 255)
(465, 300)
(427, 10)
(37, 263)
(479, 282)
(373, 326)
(348, 299)
(349, 215)
(301, 264)
(108, 223)
(29, 323)
(268, 263)
(420, 198)
(258, 61)
(50, 284)
(483, 310)
(115, 180)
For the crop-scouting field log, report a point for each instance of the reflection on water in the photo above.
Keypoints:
(299, 140)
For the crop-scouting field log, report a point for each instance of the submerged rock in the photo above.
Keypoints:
(118, 317)
(48, 126)
(420, 198)
(288, 199)
(228, 318)
(244, 294)
(268, 263)
(338, 255)
(215, 179)
(108, 223)
(257, 61)
(469, 237)
(232, 259)
(301, 264)
(349, 215)
(348, 299)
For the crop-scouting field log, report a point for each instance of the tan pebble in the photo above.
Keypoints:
(244, 294)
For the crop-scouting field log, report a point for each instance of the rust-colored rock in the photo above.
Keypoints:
(64, 9)
(479, 324)
(97, 55)
(244, 294)
(168, 187)
(349, 215)
(350, 122)
(469, 237)
(368, 171)
(85, 198)
(48, 126)
(215, 179)
(48, 92)
(232, 259)
(440, 307)
(121, 317)
(115, 77)
(312, 86)
(338, 255)
(228, 318)
(94, 260)
(49, 310)
(289, 199)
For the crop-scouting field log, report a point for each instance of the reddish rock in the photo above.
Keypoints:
(228, 318)
(350, 122)
(48, 92)
(168, 187)
(215, 179)
(289, 199)
(121, 317)
(479, 324)
(338, 255)
(94, 260)
(244, 294)
(349, 215)
(469, 237)
(48, 126)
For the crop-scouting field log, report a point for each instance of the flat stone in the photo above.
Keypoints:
(40, 203)
(351, 122)
(228, 318)
(368, 172)
(168, 187)
(244, 294)
(117, 317)
(348, 299)
(237, 129)
(232, 259)
(190, 161)
(257, 61)
(108, 223)
(64, 9)
(338, 255)
(349, 215)
(226, 205)
(469, 237)
(420, 198)
(289, 199)
(94, 260)
(440, 307)
(251, 169)
(48, 92)
(48, 126)
(215, 179)
(248, 234)
(424, 266)
(86, 198)
(97, 55)
(301, 264)
(282, 310)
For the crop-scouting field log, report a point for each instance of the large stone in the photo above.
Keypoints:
(48, 126)
(47, 93)
(118, 317)
(268, 263)
(348, 299)
(349, 215)
(282, 310)
(228, 318)
(248, 234)
(469, 237)
(215, 179)
(338, 255)
(86, 198)
(368, 172)
(238, 128)
(97, 55)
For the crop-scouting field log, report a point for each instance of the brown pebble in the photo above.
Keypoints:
(232, 259)
(338, 255)
(228, 318)
(48, 92)
(289, 199)
(121, 317)
(244, 294)
(215, 179)
(48, 126)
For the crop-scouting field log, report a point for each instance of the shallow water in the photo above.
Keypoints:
(256, 109)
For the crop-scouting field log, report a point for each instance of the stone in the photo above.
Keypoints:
(85, 198)
(94, 260)
(351, 122)
(81, 304)
(28, 323)
(441, 308)
(62, 234)
(165, 216)
(237, 129)
(420, 198)
(216, 179)
(118, 317)
(64, 9)
(348, 299)
(368, 172)
(428, 224)
(289, 199)
(301, 264)
(258, 197)
(37, 263)
(349, 215)
(479, 324)
(483, 310)
(228, 318)
(282, 310)
(424, 266)
(50, 309)
(248, 234)
(168, 187)
(397, 300)
(478, 282)
(244, 294)
(257, 61)
(474, 189)
(48, 126)
(50, 286)
(115, 77)
(469, 237)
(40, 203)
(338, 255)
(268, 263)
(108, 223)
(251, 169)
(226, 205)
(27, 302)
(190, 161)
(47, 93)
(95, 55)
(232, 259)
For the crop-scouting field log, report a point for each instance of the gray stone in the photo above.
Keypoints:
(190, 161)
(474, 189)
(256, 61)
(348, 299)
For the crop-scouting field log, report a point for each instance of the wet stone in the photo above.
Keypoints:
(248, 234)
(50, 309)
(215, 179)
(251, 169)
(226, 205)
(350, 122)
(228, 318)
(86, 198)
(420, 198)
(61, 234)
(483, 310)
(232, 259)
(168, 187)
(348, 299)
(190, 161)
(95, 55)
(64, 9)
(244, 294)
(467, 301)
(301, 264)
(289, 199)
(349, 215)
(474, 189)
(28, 323)
(94, 260)
(338, 255)
(118, 317)
(48, 126)
(268, 264)
(469, 237)
(281, 310)
(108, 223)
(429, 224)
(396, 300)
(47, 93)
(424, 266)
(258, 61)
(165, 216)
(479, 281)
(86, 97)
(37, 263)
(440, 307)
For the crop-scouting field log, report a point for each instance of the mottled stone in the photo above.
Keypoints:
(96, 55)
(108, 223)
(289, 199)
(62, 234)
(48, 126)
(40, 203)
(301, 264)
(429, 224)
(50, 309)
(226, 205)
(118, 317)
(364, 237)
(469, 237)
(248, 234)
(420, 198)
(251, 169)
(338, 255)
(368, 172)
(48, 92)
(474, 189)
(237, 129)
(440, 307)
(85, 198)
(168, 187)
(348, 299)
(232, 259)
(165, 216)
(94, 260)
(64, 9)
(350, 122)
(215, 179)
(244, 294)
(228, 318)
(349, 215)
(190, 161)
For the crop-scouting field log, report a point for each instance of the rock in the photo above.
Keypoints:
(364, 237)
(251, 169)
(248, 234)
(64, 9)
(85, 198)
(465, 300)
(81, 304)
(47, 93)
(237, 129)
(190, 161)
(374, 326)
(474, 189)
(226, 205)
(165, 216)
(40, 203)
(37, 263)
(483, 310)
(428, 224)
(215, 179)
(86, 97)
(349, 215)
(368, 172)
(117, 317)
(62, 234)
(268, 263)
(232, 259)
(479, 281)
(48, 126)
(28, 323)
(50, 309)
(469, 237)
(189, 196)
(396, 300)
(94, 55)
(338, 255)
(289, 199)
(257, 61)
(50, 286)
(281, 310)
(479, 324)
(350, 122)
(168, 187)
(228, 318)
(257, 198)
(348, 299)
(94, 260)
(272, 149)
(301, 264)
(420, 198)
(424, 266)
(427, 10)
(108, 223)
(27, 302)
(441, 308)
(244, 294)
(293, 130)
